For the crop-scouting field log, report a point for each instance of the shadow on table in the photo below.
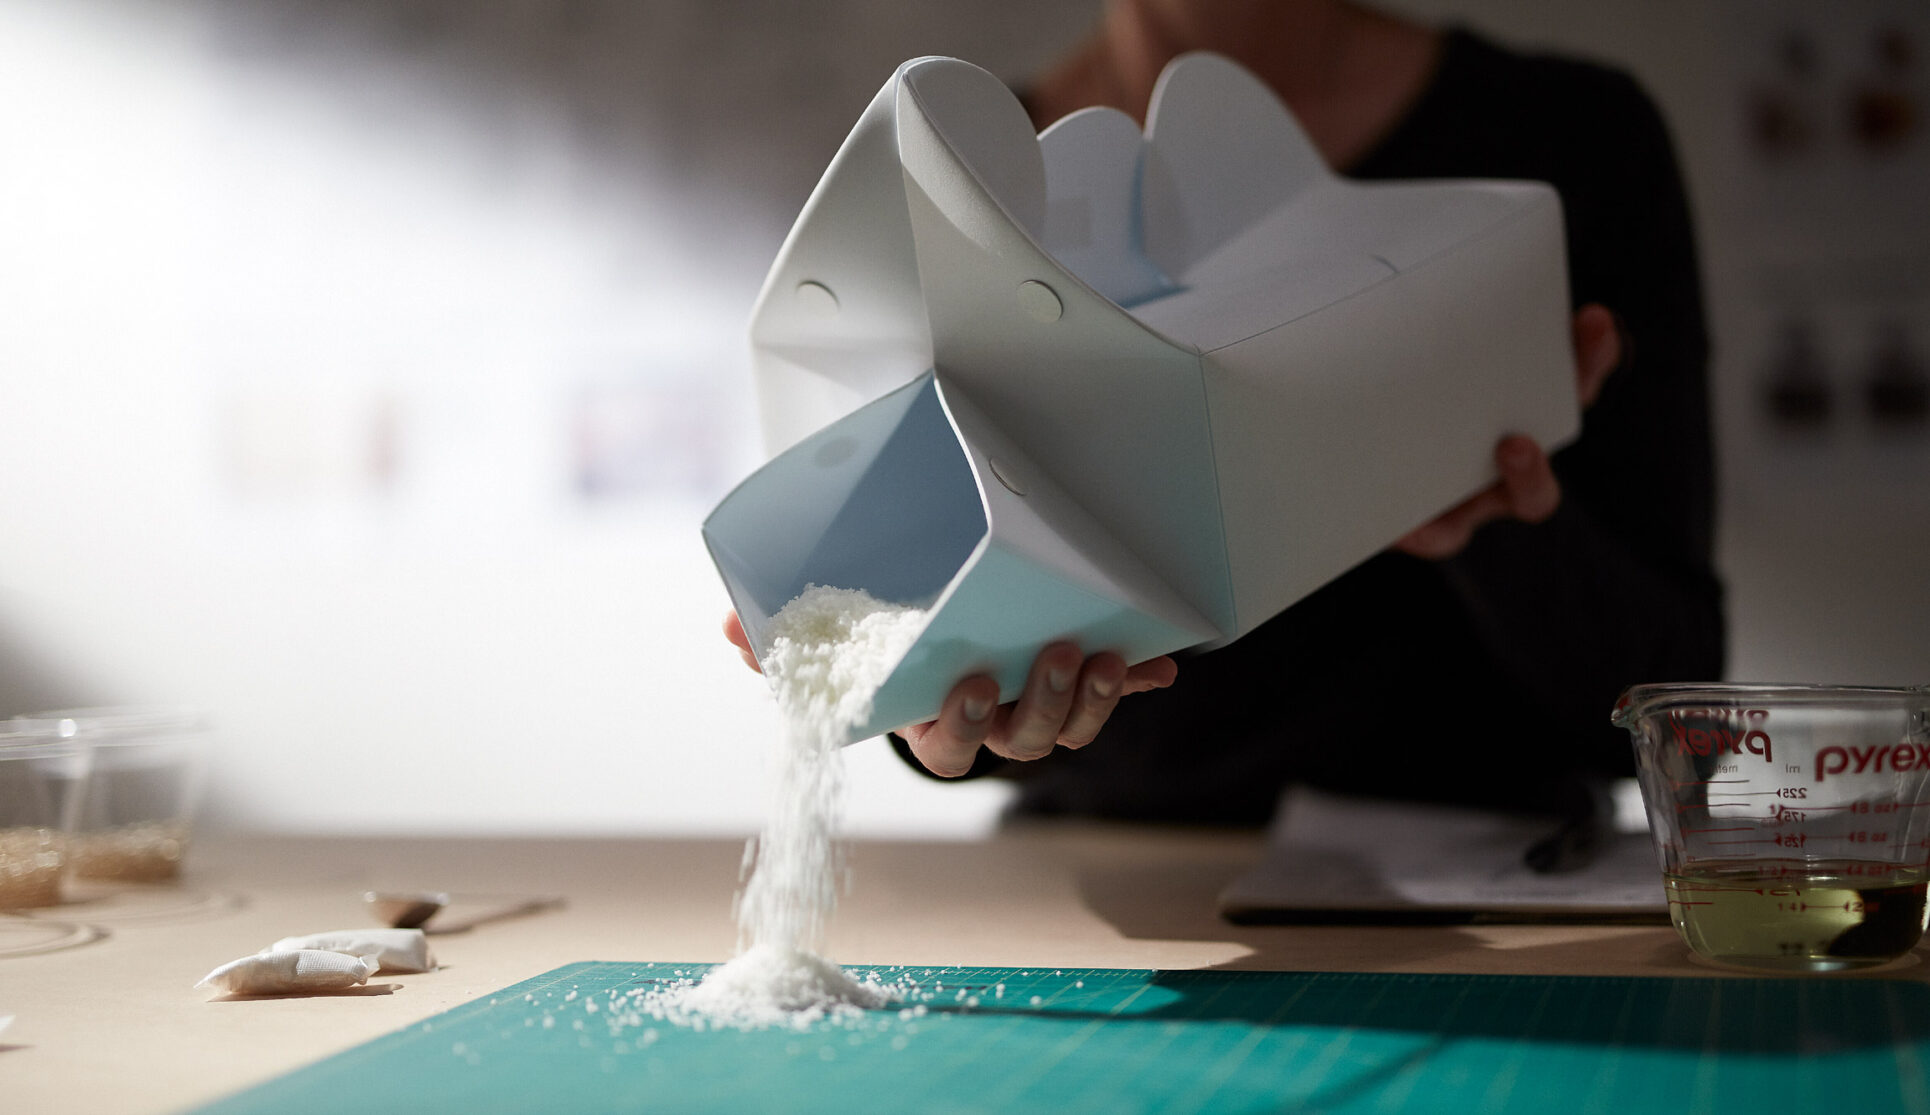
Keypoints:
(166, 903)
(330, 993)
(1368, 980)
(1163, 901)
(1754, 1016)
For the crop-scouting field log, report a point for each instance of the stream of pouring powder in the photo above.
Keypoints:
(830, 650)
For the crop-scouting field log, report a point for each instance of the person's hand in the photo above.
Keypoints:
(734, 631)
(1527, 489)
(1066, 701)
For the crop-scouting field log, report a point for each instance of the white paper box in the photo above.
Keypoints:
(1219, 374)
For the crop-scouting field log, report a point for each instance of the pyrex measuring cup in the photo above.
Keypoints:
(1792, 822)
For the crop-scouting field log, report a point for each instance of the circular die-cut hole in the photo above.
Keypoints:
(1003, 473)
(1040, 302)
(817, 299)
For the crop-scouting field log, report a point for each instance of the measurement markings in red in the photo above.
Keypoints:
(1733, 828)
(1855, 806)
(1758, 862)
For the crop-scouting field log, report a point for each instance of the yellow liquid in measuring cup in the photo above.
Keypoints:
(1824, 916)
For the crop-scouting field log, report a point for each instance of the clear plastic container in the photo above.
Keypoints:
(137, 814)
(1792, 823)
(43, 778)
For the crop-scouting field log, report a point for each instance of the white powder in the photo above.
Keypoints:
(830, 650)
(771, 986)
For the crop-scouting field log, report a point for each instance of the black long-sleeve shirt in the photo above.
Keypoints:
(1489, 676)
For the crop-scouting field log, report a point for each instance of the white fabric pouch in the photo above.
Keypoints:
(395, 950)
(280, 973)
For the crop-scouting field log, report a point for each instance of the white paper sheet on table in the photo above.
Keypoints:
(1332, 857)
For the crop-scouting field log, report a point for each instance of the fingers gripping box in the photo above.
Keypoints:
(1140, 390)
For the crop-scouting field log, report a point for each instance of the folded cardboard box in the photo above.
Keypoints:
(1141, 390)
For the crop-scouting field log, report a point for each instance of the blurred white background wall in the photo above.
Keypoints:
(366, 367)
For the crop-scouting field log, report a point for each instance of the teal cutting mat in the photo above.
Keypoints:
(1111, 1040)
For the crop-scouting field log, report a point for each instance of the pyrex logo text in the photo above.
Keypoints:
(1873, 759)
(1718, 732)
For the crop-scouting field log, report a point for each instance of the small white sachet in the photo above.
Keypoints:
(395, 950)
(278, 973)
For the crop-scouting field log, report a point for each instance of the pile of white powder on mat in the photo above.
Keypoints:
(830, 650)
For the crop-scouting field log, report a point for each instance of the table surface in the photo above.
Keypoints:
(116, 1025)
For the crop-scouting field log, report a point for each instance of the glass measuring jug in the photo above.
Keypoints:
(138, 809)
(1792, 822)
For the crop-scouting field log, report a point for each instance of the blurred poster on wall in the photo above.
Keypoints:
(1831, 118)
